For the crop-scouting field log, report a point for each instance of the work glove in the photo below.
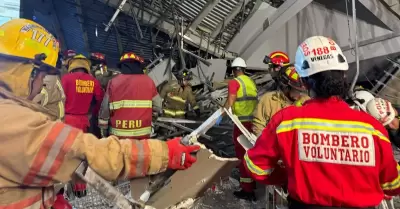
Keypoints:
(180, 157)
(219, 120)
(79, 189)
(197, 111)
(104, 132)
(61, 203)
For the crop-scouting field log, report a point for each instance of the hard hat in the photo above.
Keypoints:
(69, 54)
(317, 54)
(130, 56)
(25, 40)
(362, 97)
(79, 62)
(185, 74)
(98, 57)
(277, 58)
(289, 77)
(238, 62)
(382, 110)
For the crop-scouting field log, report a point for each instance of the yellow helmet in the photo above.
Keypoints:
(25, 46)
(25, 38)
(79, 61)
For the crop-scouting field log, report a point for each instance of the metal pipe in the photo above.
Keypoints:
(199, 58)
(115, 15)
(154, 62)
(353, 84)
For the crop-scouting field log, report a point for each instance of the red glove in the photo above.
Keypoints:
(61, 203)
(79, 189)
(180, 157)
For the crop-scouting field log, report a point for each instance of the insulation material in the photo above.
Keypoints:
(158, 73)
(215, 72)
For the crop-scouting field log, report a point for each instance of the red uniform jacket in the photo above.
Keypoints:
(129, 108)
(80, 88)
(332, 155)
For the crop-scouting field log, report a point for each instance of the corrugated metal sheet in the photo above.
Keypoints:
(70, 26)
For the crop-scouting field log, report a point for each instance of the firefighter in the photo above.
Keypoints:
(80, 88)
(36, 152)
(383, 111)
(275, 61)
(332, 156)
(99, 68)
(66, 55)
(129, 113)
(52, 94)
(360, 99)
(178, 96)
(291, 91)
(242, 98)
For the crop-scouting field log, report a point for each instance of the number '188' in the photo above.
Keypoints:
(320, 51)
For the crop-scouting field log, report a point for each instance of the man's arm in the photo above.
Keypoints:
(98, 95)
(261, 161)
(389, 173)
(260, 118)
(233, 87)
(191, 98)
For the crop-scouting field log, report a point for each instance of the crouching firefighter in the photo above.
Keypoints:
(127, 104)
(291, 91)
(332, 156)
(80, 88)
(52, 94)
(178, 97)
(37, 152)
(242, 98)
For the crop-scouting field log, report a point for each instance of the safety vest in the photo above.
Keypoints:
(130, 98)
(246, 100)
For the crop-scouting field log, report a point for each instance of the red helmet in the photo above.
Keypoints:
(278, 58)
(289, 77)
(98, 57)
(130, 56)
(69, 54)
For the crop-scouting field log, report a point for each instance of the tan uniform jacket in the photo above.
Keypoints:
(37, 153)
(52, 96)
(269, 104)
(175, 99)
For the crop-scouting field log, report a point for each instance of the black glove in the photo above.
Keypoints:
(197, 111)
(104, 132)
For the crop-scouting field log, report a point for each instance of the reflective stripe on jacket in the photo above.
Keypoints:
(36, 158)
(177, 98)
(334, 150)
(246, 100)
(130, 104)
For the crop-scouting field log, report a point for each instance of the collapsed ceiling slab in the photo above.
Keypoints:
(314, 19)
(192, 38)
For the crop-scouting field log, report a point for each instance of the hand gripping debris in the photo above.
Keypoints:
(161, 179)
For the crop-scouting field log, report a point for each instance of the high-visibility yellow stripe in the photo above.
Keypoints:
(45, 95)
(395, 184)
(178, 99)
(254, 168)
(246, 180)
(131, 104)
(131, 132)
(329, 125)
(174, 112)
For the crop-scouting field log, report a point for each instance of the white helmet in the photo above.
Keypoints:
(239, 62)
(317, 54)
(382, 110)
(362, 97)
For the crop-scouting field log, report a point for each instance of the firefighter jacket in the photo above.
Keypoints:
(246, 98)
(269, 104)
(37, 153)
(52, 96)
(80, 88)
(176, 99)
(127, 106)
(331, 155)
